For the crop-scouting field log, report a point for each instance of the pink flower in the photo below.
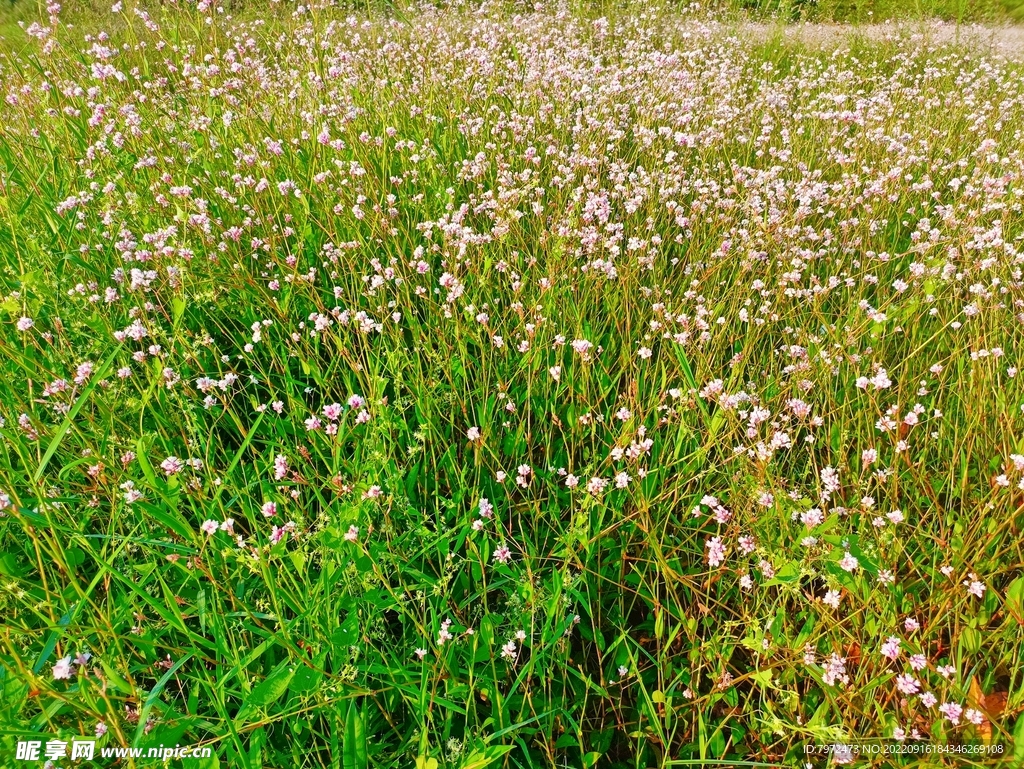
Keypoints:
(473, 433)
(716, 551)
(280, 467)
(907, 684)
(881, 380)
(62, 670)
(502, 554)
(355, 402)
(974, 586)
(582, 348)
(951, 711)
(24, 324)
(891, 648)
(210, 527)
(842, 754)
(172, 465)
(269, 509)
(352, 535)
(333, 411)
(812, 517)
(849, 562)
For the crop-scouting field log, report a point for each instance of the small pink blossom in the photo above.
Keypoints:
(172, 465)
(891, 648)
(280, 467)
(849, 562)
(951, 711)
(62, 670)
(716, 551)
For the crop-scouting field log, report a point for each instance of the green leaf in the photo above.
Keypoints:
(481, 758)
(1015, 599)
(268, 691)
(763, 678)
(177, 310)
(1018, 742)
(353, 750)
(273, 686)
(115, 679)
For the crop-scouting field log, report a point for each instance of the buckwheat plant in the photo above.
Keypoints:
(506, 385)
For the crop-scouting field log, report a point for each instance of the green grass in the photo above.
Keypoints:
(741, 229)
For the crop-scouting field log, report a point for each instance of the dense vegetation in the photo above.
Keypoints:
(512, 387)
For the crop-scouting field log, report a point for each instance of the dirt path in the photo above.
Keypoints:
(1005, 41)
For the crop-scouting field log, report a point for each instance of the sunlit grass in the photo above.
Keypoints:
(513, 387)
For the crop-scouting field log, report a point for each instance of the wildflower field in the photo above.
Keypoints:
(509, 386)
